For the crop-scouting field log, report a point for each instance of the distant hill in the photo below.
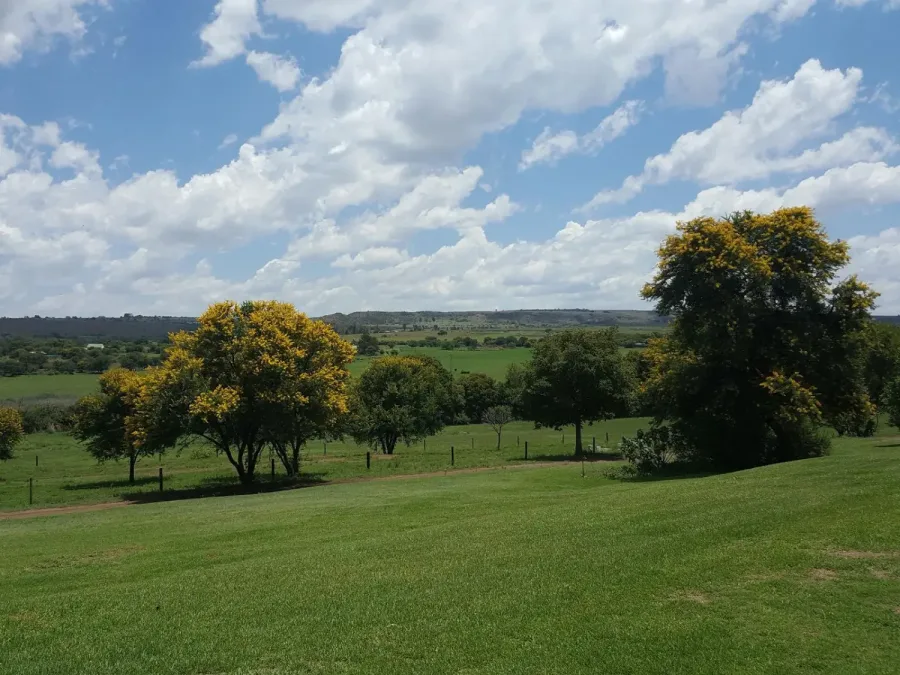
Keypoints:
(135, 327)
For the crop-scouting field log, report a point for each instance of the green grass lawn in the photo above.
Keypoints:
(784, 569)
(64, 473)
(30, 388)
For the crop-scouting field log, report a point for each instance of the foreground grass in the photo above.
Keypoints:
(64, 473)
(785, 569)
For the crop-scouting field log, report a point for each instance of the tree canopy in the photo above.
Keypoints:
(250, 375)
(105, 422)
(477, 393)
(367, 345)
(576, 377)
(764, 345)
(11, 431)
(401, 399)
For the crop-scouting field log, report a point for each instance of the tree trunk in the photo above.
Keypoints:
(498, 440)
(578, 449)
(132, 460)
(295, 463)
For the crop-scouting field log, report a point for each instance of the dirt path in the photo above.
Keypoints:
(103, 506)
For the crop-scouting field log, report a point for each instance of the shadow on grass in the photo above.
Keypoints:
(888, 445)
(588, 457)
(672, 472)
(226, 487)
(110, 484)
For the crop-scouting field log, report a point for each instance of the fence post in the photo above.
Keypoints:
(35, 460)
(564, 439)
(273, 468)
(452, 457)
(160, 479)
(517, 441)
(594, 444)
(526, 449)
(30, 491)
(324, 447)
(582, 466)
(607, 439)
(368, 460)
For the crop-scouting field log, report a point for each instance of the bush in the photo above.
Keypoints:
(46, 417)
(651, 451)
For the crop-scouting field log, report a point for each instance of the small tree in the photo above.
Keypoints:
(401, 398)
(367, 345)
(11, 431)
(576, 377)
(104, 422)
(497, 417)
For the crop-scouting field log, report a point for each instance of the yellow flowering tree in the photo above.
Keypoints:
(250, 376)
(105, 422)
(764, 343)
(11, 431)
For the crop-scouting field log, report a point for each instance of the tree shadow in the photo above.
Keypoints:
(109, 484)
(226, 487)
(568, 457)
(888, 445)
(627, 474)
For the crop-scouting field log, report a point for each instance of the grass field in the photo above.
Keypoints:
(30, 388)
(785, 569)
(65, 473)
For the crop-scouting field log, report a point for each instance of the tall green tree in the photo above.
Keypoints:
(576, 377)
(478, 392)
(401, 399)
(104, 422)
(367, 345)
(11, 431)
(764, 345)
(892, 402)
(883, 359)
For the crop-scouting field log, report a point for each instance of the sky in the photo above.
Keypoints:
(348, 155)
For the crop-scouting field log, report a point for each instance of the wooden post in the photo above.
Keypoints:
(452, 457)
(564, 439)
(607, 439)
(526, 449)
(273, 468)
(30, 491)
(594, 444)
(324, 447)
(368, 460)
(517, 441)
(582, 466)
(160, 479)
(35, 460)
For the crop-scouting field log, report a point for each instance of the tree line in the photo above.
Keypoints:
(767, 349)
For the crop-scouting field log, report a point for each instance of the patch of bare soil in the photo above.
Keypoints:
(697, 597)
(819, 574)
(865, 555)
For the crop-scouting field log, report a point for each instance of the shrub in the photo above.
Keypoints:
(46, 417)
(651, 451)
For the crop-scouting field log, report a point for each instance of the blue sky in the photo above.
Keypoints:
(157, 155)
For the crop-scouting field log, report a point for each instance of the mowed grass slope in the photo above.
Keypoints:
(31, 388)
(783, 569)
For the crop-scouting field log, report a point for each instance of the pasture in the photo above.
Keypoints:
(786, 569)
(64, 473)
(51, 388)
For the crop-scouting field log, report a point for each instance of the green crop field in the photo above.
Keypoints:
(493, 362)
(62, 472)
(29, 388)
(784, 569)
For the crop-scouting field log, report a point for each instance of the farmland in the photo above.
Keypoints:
(792, 568)
(65, 474)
